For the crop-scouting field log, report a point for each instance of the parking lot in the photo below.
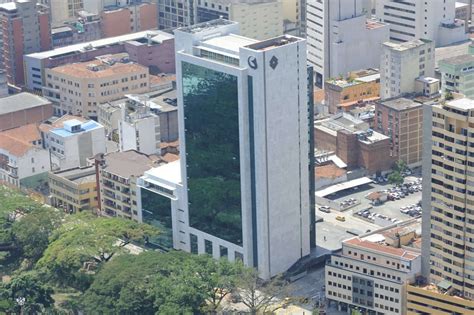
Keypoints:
(331, 232)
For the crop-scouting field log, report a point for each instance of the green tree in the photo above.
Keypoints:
(400, 166)
(395, 178)
(84, 239)
(448, 96)
(32, 231)
(26, 289)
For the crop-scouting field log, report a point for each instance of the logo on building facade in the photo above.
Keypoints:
(252, 61)
(274, 62)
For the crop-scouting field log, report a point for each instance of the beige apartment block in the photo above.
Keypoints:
(452, 196)
(78, 88)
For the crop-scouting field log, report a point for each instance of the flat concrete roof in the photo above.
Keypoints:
(21, 101)
(228, 42)
(401, 103)
(462, 103)
(170, 172)
(406, 45)
(458, 60)
(128, 163)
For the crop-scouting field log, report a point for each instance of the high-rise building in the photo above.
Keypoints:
(26, 29)
(245, 189)
(415, 19)
(341, 38)
(448, 178)
(259, 19)
(401, 64)
(63, 10)
(173, 14)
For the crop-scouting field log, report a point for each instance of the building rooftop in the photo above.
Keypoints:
(462, 104)
(401, 103)
(206, 26)
(21, 101)
(18, 141)
(458, 60)
(274, 42)
(170, 172)
(98, 69)
(231, 43)
(374, 24)
(67, 129)
(382, 248)
(58, 122)
(78, 175)
(128, 163)
(67, 50)
(330, 170)
(406, 45)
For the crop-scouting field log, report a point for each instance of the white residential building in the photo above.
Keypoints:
(371, 272)
(72, 140)
(401, 64)
(232, 199)
(414, 19)
(341, 38)
(22, 154)
(139, 128)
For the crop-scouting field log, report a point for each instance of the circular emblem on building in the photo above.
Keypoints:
(252, 61)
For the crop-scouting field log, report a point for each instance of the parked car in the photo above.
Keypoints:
(341, 218)
(325, 209)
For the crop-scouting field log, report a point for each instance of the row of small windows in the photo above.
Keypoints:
(371, 272)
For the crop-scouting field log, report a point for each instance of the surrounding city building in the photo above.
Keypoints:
(240, 155)
(401, 119)
(118, 173)
(26, 29)
(85, 28)
(72, 140)
(354, 143)
(73, 189)
(415, 19)
(436, 299)
(359, 88)
(173, 14)
(142, 122)
(153, 49)
(3, 79)
(457, 75)
(119, 20)
(447, 194)
(259, 19)
(371, 272)
(23, 109)
(401, 64)
(22, 155)
(63, 10)
(339, 30)
(78, 88)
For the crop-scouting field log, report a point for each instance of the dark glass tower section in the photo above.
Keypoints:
(157, 212)
(210, 100)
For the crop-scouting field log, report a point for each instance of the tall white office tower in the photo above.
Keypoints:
(246, 173)
(341, 38)
(415, 19)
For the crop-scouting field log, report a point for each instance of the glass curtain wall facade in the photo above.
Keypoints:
(156, 211)
(210, 100)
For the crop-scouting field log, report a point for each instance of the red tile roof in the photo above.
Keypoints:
(400, 252)
(18, 141)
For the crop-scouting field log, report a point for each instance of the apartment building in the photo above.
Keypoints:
(120, 20)
(344, 94)
(154, 49)
(173, 14)
(401, 64)
(85, 28)
(415, 19)
(118, 173)
(448, 196)
(63, 10)
(457, 75)
(72, 140)
(22, 109)
(78, 88)
(25, 27)
(436, 300)
(259, 19)
(401, 119)
(74, 189)
(161, 103)
(338, 30)
(371, 272)
(22, 155)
